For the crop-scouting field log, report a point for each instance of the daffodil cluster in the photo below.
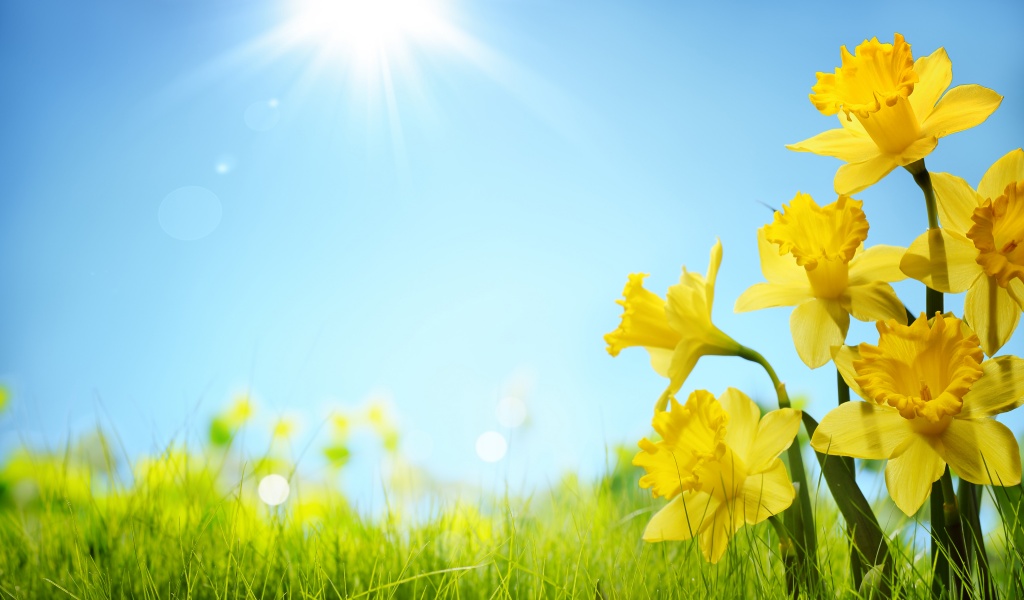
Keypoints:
(931, 386)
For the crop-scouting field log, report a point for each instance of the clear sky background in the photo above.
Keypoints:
(445, 224)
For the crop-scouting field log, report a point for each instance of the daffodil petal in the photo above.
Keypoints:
(1000, 389)
(713, 264)
(768, 493)
(956, 201)
(771, 295)
(861, 430)
(1006, 170)
(961, 108)
(1016, 291)
(694, 295)
(877, 263)
(775, 433)
(715, 539)
(661, 358)
(875, 301)
(744, 417)
(918, 150)
(845, 144)
(909, 476)
(982, 451)
(934, 73)
(687, 302)
(778, 268)
(942, 260)
(684, 359)
(854, 177)
(817, 325)
(684, 517)
(991, 313)
(843, 357)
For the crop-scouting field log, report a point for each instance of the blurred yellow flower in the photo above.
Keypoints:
(980, 248)
(241, 410)
(5, 397)
(676, 333)
(718, 462)
(899, 114)
(341, 424)
(284, 428)
(813, 259)
(929, 402)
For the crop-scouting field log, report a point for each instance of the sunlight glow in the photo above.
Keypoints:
(511, 412)
(367, 31)
(491, 446)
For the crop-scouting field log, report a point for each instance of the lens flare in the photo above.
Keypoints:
(274, 490)
(491, 446)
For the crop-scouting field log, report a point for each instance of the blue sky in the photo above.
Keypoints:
(445, 236)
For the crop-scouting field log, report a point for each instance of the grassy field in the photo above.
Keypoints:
(190, 525)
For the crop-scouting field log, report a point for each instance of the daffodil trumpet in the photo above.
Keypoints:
(979, 250)
(717, 462)
(929, 402)
(892, 110)
(676, 330)
(813, 258)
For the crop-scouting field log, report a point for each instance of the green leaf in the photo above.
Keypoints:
(1010, 502)
(220, 432)
(337, 455)
(867, 534)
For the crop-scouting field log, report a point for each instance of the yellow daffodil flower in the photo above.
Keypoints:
(676, 332)
(980, 248)
(813, 259)
(891, 111)
(929, 402)
(718, 462)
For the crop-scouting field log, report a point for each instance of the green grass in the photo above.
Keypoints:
(71, 527)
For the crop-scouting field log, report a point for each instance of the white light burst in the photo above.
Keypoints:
(368, 34)
(273, 490)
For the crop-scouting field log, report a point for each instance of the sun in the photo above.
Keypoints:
(367, 34)
(361, 61)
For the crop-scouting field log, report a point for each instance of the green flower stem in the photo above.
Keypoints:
(801, 516)
(947, 527)
(788, 552)
(941, 542)
(923, 179)
(856, 565)
(968, 495)
(842, 390)
(969, 506)
(955, 531)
